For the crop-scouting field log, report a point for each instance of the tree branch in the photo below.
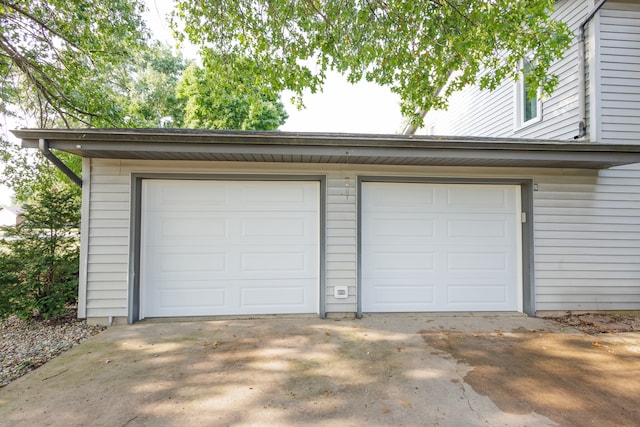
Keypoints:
(54, 95)
(40, 22)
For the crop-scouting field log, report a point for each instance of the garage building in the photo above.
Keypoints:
(182, 223)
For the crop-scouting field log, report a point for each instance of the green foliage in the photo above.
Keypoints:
(39, 261)
(227, 94)
(149, 98)
(423, 50)
(28, 173)
(60, 60)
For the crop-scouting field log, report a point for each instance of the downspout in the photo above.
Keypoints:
(582, 71)
(44, 149)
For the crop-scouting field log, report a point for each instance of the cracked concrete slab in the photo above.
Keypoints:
(276, 371)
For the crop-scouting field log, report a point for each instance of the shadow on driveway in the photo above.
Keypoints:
(404, 370)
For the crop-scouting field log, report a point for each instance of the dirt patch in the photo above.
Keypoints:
(598, 323)
(571, 379)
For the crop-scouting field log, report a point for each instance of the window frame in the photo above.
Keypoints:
(520, 98)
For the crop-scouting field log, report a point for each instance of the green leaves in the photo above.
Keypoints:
(39, 261)
(228, 93)
(423, 50)
(149, 97)
(64, 56)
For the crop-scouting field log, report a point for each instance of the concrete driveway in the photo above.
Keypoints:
(402, 370)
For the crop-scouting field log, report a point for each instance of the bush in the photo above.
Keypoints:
(39, 269)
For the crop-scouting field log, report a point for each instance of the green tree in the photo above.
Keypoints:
(150, 98)
(423, 50)
(39, 267)
(226, 94)
(63, 63)
(60, 58)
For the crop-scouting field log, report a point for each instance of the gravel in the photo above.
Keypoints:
(25, 345)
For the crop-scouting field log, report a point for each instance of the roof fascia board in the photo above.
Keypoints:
(91, 143)
(256, 137)
(400, 152)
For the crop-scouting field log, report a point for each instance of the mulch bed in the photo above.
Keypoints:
(598, 323)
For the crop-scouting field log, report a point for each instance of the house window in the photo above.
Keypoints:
(528, 106)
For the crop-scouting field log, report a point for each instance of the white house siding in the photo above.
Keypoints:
(587, 229)
(620, 72)
(474, 112)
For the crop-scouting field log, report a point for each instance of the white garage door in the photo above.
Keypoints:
(229, 247)
(440, 247)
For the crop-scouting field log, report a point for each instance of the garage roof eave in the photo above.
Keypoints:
(250, 146)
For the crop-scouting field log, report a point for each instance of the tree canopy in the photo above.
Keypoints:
(61, 57)
(225, 93)
(423, 50)
(89, 63)
(149, 97)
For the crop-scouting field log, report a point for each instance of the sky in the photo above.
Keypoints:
(340, 107)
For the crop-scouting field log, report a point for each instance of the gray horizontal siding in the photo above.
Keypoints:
(108, 244)
(620, 72)
(483, 113)
(587, 230)
(587, 234)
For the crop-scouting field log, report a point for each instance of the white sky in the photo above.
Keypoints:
(340, 107)
(5, 195)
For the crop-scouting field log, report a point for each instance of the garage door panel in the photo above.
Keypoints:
(270, 226)
(176, 195)
(178, 226)
(413, 198)
(237, 252)
(288, 262)
(482, 198)
(195, 263)
(277, 195)
(403, 295)
(268, 196)
(467, 262)
(477, 296)
(399, 262)
(404, 225)
(253, 298)
(283, 228)
(477, 261)
(269, 262)
(205, 297)
(498, 227)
